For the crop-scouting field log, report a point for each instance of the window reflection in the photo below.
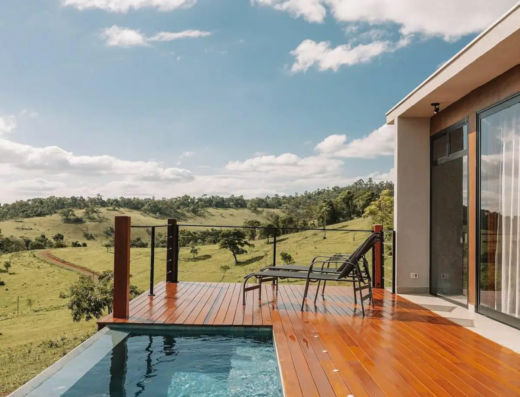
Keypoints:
(500, 211)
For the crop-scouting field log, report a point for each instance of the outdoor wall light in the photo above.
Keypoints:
(436, 108)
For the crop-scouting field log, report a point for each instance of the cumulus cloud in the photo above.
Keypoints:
(379, 143)
(28, 171)
(117, 36)
(35, 186)
(310, 10)
(54, 160)
(310, 53)
(287, 164)
(442, 19)
(124, 6)
(7, 124)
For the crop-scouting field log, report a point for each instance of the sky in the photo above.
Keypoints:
(247, 97)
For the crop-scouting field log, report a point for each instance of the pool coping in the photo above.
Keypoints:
(43, 376)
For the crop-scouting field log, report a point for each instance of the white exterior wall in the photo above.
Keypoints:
(412, 204)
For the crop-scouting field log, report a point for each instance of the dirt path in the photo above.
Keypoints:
(48, 257)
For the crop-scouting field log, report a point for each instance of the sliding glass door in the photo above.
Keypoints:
(449, 215)
(499, 248)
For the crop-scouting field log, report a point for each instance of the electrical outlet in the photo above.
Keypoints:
(414, 275)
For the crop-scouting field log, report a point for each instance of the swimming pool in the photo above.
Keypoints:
(172, 364)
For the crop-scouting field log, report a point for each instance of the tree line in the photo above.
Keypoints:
(180, 207)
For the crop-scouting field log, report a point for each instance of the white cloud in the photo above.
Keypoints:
(7, 124)
(35, 186)
(310, 53)
(310, 10)
(117, 36)
(124, 6)
(122, 37)
(287, 164)
(53, 160)
(379, 143)
(28, 171)
(185, 34)
(184, 155)
(442, 18)
(29, 113)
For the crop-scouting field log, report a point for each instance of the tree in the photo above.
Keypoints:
(7, 266)
(29, 302)
(252, 233)
(234, 240)
(286, 258)
(224, 269)
(90, 299)
(109, 244)
(138, 243)
(194, 250)
(382, 210)
(345, 205)
(58, 237)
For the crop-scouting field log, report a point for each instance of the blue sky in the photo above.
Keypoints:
(171, 97)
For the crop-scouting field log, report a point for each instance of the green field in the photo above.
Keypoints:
(33, 337)
(50, 225)
(206, 266)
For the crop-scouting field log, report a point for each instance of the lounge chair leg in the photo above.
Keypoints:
(260, 290)
(323, 290)
(305, 293)
(355, 293)
(317, 291)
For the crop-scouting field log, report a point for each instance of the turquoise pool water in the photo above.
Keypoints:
(181, 366)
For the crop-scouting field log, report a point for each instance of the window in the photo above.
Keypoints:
(499, 278)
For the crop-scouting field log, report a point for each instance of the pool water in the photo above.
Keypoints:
(182, 366)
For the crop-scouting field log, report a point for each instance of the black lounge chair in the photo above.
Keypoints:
(349, 271)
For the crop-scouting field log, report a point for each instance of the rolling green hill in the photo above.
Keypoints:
(52, 224)
(36, 334)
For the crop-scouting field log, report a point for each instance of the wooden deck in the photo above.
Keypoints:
(399, 349)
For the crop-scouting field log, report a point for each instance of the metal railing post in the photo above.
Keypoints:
(152, 260)
(171, 250)
(176, 255)
(377, 256)
(274, 247)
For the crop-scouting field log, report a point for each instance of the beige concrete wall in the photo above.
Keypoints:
(412, 204)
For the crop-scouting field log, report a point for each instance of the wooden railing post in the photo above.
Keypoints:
(121, 267)
(378, 258)
(171, 252)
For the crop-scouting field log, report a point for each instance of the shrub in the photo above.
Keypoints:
(286, 258)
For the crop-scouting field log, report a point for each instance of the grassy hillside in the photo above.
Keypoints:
(50, 225)
(206, 266)
(42, 332)
(33, 336)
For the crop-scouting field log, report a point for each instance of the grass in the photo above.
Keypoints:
(50, 225)
(35, 337)
(25, 330)
(206, 266)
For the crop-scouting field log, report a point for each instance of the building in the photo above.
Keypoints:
(457, 164)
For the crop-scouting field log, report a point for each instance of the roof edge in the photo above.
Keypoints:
(455, 57)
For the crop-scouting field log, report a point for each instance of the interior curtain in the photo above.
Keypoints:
(507, 260)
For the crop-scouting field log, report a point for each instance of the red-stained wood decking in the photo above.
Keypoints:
(399, 349)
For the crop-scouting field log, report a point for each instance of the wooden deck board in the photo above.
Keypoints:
(398, 349)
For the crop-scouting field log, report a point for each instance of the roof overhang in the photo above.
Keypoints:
(492, 53)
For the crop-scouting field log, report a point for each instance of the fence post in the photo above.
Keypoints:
(378, 258)
(121, 267)
(171, 250)
(274, 247)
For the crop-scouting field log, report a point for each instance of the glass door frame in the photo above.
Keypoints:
(481, 114)
(433, 163)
